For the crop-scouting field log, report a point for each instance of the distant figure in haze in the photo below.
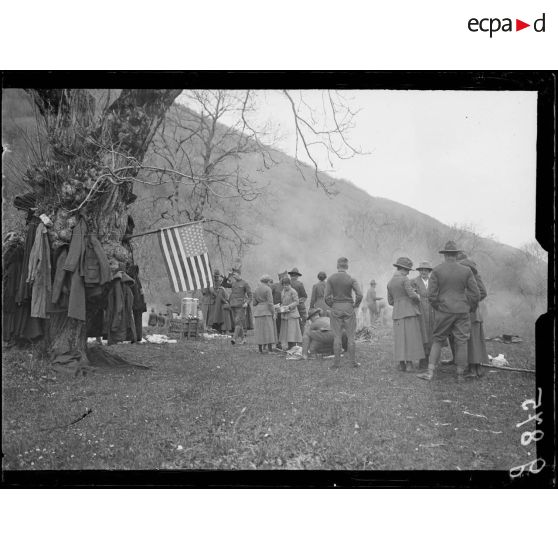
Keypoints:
(276, 290)
(371, 302)
(339, 296)
(453, 292)
(407, 335)
(290, 333)
(152, 321)
(264, 315)
(317, 299)
(297, 285)
(241, 296)
(160, 320)
(476, 346)
(420, 284)
(168, 315)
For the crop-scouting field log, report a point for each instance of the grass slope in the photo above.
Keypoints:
(207, 405)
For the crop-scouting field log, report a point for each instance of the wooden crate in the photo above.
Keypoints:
(187, 328)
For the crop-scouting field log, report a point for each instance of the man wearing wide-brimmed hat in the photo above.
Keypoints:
(420, 284)
(297, 285)
(453, 292)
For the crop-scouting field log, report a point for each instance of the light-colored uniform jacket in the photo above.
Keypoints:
(402, 297)
(262, 301)
(289, 298)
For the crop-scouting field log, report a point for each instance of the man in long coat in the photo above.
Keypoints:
(276, 289)
(297, 285)
(420, 284)
(453, 293)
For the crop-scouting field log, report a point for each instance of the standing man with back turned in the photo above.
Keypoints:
(453, 293)
(338, 295)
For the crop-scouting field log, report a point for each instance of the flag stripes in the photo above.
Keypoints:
(186, 259)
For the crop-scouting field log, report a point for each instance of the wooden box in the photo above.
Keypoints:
(187, 328)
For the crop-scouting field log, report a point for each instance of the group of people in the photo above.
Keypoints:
(439, 306)
(276, 311)
(280, 318)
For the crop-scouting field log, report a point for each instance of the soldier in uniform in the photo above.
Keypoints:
(453, 293)
(339, 296)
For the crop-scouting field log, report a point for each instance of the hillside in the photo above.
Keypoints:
(291, 222)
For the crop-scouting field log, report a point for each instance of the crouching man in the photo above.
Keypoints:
(318, 336)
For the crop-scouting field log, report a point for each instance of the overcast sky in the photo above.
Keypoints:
(461, 157)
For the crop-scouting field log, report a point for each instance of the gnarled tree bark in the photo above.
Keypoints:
(87, 172)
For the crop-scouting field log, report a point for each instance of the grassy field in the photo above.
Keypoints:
(208, 405)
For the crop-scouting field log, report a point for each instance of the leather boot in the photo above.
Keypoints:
(428, 375)
(460, 377)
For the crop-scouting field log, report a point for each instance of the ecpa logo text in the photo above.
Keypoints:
(492, 25)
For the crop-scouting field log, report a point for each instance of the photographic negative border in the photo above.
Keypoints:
(543, 82)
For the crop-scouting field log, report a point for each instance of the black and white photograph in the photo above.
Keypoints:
(300, 278)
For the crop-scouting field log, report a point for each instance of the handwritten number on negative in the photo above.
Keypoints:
(528, 437)
(518, 471)
(525, 404)
(536, 417)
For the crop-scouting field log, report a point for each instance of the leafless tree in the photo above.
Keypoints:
(92, 147)
(214, 142)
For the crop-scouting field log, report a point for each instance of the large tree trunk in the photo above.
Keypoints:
(94, 159)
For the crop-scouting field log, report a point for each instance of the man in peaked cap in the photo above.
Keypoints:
(453, 293)
(297, 285)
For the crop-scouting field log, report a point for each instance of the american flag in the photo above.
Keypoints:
(185, 255)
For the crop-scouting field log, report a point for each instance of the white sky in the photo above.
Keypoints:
(459, 156)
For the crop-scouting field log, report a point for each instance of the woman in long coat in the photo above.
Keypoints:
(476, 346)
(290, 333)
(216, 305)
(420, 284)
(264, 315)
(407, 335)
(317, 300)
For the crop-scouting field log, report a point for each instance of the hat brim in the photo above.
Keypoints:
(403, 266)
(449, 251)
(419, 268)
(297, 274)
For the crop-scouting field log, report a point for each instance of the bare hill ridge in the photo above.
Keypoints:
(290, 223)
